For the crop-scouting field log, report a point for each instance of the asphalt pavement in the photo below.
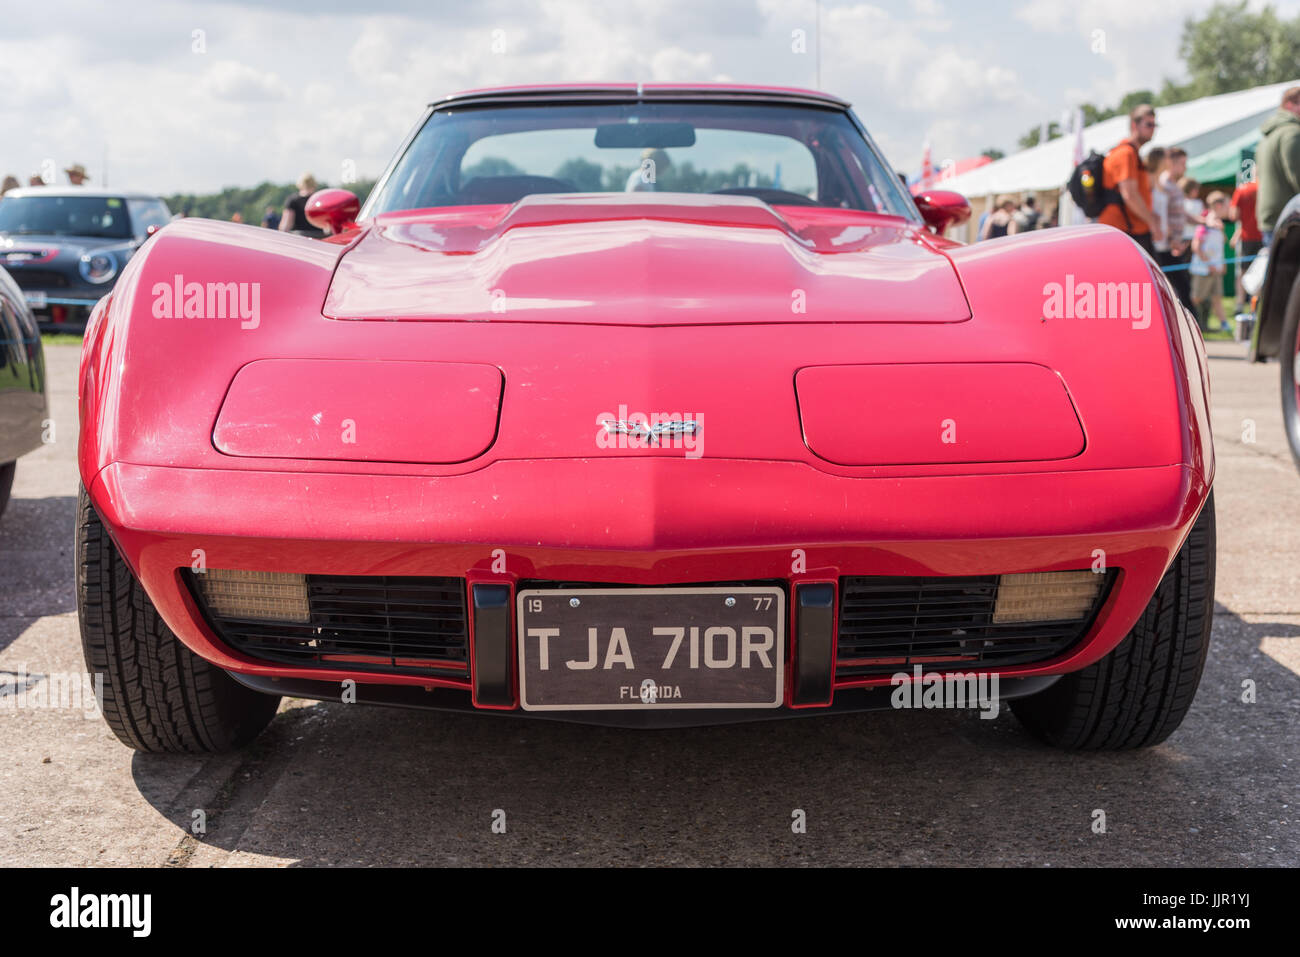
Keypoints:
(333, 784)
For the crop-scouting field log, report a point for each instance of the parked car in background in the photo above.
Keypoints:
(24, 409)
(1277, 317)
(66, 245)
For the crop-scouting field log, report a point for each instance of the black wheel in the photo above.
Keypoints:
(7, 471)
(1138, 694)
(1289, 353)
(158, 695)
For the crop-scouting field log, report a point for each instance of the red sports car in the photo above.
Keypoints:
(643, 405)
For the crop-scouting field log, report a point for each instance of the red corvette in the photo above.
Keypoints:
(650, 406)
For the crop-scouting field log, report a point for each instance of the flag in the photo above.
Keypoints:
(1077, 125)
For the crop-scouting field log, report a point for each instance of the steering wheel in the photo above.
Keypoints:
(773, 197)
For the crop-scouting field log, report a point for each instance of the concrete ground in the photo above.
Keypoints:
(329, 784)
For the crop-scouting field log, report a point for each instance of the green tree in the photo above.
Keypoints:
(1234, 48)
(1136, 98)
(250, 202)
(583, 174)
(1033, 136)
(490, 166)
(993, 154)
(1231, 48)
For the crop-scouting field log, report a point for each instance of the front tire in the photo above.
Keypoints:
(1289, 353)
(7, 470)
(1139, 694)
(157, 694)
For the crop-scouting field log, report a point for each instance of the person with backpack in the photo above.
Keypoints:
(1126, 174)
(1116, 189)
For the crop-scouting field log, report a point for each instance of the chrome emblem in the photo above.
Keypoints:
(652, 433)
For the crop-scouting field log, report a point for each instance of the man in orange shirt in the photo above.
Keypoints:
(1126, 174)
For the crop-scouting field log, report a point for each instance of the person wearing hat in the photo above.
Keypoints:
(35, 180)
(77, 174)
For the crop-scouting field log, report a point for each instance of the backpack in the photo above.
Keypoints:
(1026, 222)
(1088, 191)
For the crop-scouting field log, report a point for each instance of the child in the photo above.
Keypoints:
(1207, 263)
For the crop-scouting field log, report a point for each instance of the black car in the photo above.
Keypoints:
(66, 246)
(1277, 325)
(24, 411)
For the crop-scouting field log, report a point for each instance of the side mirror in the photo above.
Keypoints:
(941, 208)
(333, 210)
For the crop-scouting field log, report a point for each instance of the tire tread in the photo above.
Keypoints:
(158, 695)
(1137, 695)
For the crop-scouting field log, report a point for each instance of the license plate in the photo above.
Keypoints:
(614, 649)
(37, 300)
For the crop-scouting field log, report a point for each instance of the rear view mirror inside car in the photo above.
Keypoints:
(644, 135)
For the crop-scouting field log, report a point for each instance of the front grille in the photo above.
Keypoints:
(39, 278)
(890, 624)
(387, 623)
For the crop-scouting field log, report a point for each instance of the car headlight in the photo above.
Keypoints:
(98, 267)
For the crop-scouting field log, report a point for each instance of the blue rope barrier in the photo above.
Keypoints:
(1178, 266)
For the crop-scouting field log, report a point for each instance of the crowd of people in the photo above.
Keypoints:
(76, 173)
(1175, 218)
(1163, 210)
(1010, 217)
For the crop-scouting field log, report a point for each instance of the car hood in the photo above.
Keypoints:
(645, 259)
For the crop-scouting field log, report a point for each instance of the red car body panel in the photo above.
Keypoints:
(279, 408)
(1008, 412)
(615, 304)
(651, 260)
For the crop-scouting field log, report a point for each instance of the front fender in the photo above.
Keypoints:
(1137, 374)
(190, 307)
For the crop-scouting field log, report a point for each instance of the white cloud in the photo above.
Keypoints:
(866, 40)
(1057, 16)
(240, 83)
(283, 89)
(674, 65)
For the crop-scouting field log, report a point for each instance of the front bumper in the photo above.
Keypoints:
(72, 314)
(643, 521)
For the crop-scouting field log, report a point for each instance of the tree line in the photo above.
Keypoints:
(249, 202)
(1231, 48)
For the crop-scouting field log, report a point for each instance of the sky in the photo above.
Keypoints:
(195, 96)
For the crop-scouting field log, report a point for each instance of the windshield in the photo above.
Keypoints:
(98, 216)
(791, 155)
